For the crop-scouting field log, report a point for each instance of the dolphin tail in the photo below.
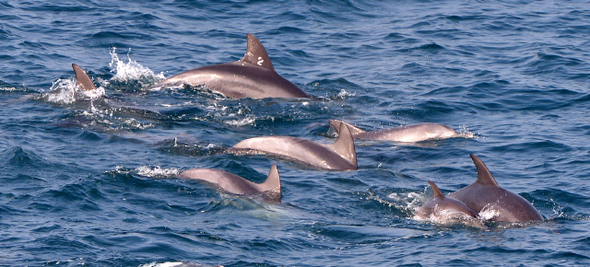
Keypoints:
(435, 191)
(344, 145)
(354, 131)
(484, 176)
(256, 54)
(82, 78)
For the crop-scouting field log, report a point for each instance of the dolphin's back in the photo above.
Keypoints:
(486, 195)
(340, 155)
(238, 80)
(270, 189)
(252, 76)
(410, 134)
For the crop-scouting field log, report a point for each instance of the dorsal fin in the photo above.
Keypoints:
(353, 130)
(82, 78)
(344, 145)
(483, 174)
(272, 182)
(435, 191)
(256, 54)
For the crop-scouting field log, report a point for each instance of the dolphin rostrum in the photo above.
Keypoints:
(409, 134)
(339, 156)
(83, 80)
(486, 196)
(252, 76)
(439, 205)
(269, 190)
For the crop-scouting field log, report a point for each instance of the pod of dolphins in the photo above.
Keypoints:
(254, 76)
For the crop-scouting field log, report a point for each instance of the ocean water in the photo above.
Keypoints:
(88, 180)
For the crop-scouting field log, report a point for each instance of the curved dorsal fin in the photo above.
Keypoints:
(353, 130)
(435, 191)
(344, 145)
(82, 78)
(484, 176)
(272, 182)
(256, 54)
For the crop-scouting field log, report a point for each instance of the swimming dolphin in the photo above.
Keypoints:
(252, 76)
(410, 134)
(485, 195)
(269, 190)
(339, 156)
(439, 205)
(82, 78)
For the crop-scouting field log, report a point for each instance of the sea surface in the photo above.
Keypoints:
(89, 179)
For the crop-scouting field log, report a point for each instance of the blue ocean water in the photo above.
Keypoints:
(85, 180)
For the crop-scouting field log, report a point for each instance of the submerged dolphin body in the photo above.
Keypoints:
(82, 78)
(339, 156)
(439, 205)
(269, 190)
(252, 76)
(409, 134)
(486, 196)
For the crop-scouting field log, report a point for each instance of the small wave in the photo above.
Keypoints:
(177, 264)
(131, 71)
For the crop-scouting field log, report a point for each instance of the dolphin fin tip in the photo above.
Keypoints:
(435, 190)
(344, 145)
(256, 54)
(484, 176)
(273, 181)
(83, 79)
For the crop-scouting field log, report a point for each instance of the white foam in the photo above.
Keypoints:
(62, 91)
(488, 213)
(242, 122)
(343, 94)
(132, 71)
(66, 91)
(157, 172)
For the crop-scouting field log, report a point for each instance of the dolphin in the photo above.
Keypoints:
(439, 205)
(269, 190)
(339, 156)
(82, 79)
(252, 76)
(410, 134)
(486, 196)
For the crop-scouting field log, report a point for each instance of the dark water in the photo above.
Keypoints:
(79, 175)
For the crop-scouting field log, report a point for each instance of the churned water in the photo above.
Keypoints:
(82, 176)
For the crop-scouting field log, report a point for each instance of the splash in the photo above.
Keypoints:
(132, 71)
(67, 91)
(464, 132)
(157, 172)
(343, 94)
(63, 91)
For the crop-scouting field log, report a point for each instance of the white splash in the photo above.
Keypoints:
(488, 213)
(344, 94)
(131, 70)
(65, 91)
(464, 132)
(157, 172)
(241, 122)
